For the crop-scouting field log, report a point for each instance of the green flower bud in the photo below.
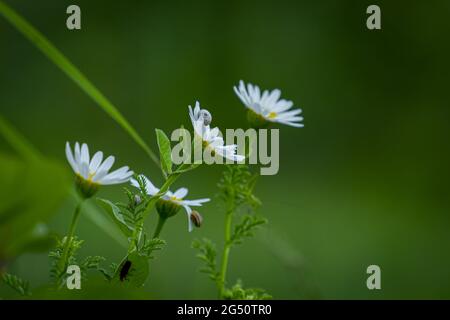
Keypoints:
(137, 200)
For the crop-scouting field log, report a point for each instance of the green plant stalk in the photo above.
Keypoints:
(137, 233)
(226, 250)
(63, 262)
(54, 55)
(159, 227)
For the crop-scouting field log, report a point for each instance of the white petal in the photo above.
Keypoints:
(116, 174)
(151, 189)
(84, 153)
(244, 92)
(70, 158)
(189, 212)
(196, 203)
(214, 132)
(218, 141)
(104, 168)
(272, 99)
(118, 179)
(282, 106)
(288, 114)
(95, 162)
(196, 109)
(84, 170)
(241, 96)
(181, 193)
(77, 155)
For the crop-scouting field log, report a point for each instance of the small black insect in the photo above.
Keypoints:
(125, 269)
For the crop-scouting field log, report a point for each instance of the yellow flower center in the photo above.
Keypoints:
(272, 115)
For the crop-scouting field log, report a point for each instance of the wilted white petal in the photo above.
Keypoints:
(189, 212)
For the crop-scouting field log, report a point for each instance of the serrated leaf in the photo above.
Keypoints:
(246, 228)
(115, 213)
(16, 283)
(165, 152)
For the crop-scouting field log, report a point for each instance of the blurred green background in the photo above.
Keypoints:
(364, 182)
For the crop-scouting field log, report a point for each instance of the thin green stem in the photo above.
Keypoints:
(56, 56)
(65, 255)
(159, 227)
(136, 236)
(225, 253)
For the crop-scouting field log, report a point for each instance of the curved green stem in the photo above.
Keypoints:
(65, 255)
(159, 227)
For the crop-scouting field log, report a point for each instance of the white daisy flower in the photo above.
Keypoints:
(170, 203)
(268, 106)
(92, 172)
(211, 138)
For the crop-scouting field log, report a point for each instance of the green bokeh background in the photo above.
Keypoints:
(364, 182)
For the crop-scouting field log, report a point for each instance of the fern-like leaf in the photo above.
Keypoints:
(19, 285)
(246, 228)
(207, 254)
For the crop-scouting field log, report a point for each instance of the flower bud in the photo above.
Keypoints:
(196, 218)
(206, 116)
(137, 200)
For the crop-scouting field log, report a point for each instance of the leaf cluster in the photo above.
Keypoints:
(207, 254)
(19, 285)
(58, 269)
(238, 292)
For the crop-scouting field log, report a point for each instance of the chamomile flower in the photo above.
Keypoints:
(92, 172)
(171, 202)
(211, 139)
(267, 106)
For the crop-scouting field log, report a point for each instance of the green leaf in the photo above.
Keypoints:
(207, 254)
(238, 292)
(116, 215)
(165, 152)
(31, 192)
(133, 270)
(19, 285)
(151, 245)
(189, 168)
(246, 228)
(52, 53)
